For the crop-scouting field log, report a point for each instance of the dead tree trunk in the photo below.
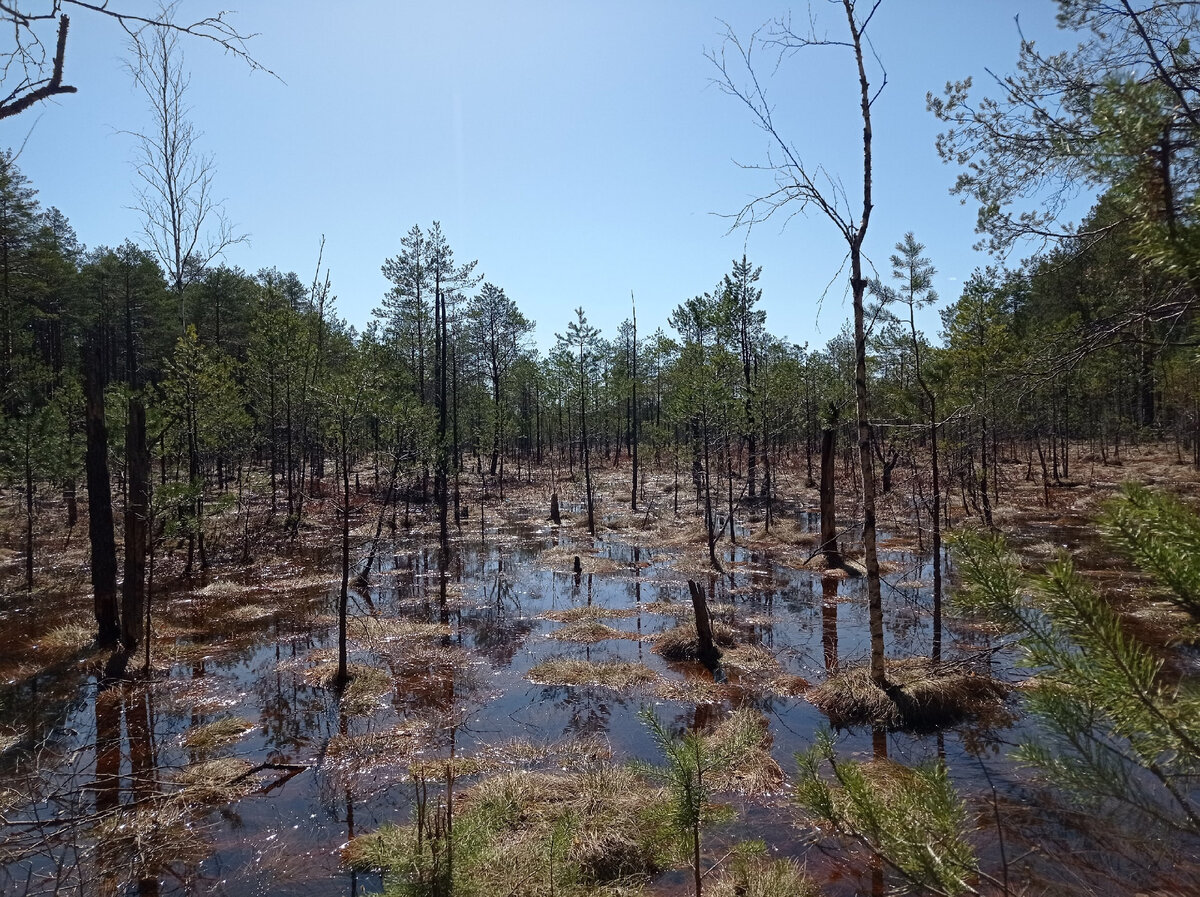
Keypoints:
(829, 546)
(706, 650)
(100, 515)
(137, 514)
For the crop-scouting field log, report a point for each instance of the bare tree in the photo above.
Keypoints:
(33, 73)
(801, 185)
(184, 223)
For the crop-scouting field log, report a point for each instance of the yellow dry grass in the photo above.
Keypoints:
(587, 612)
(679, 642)
(617, 674)
(756, 670)
(588, 632)
(69, 637)
(745, 737)
(592, 832)
(206, 738)
(920, 695)
(396, 745)
(761, 877)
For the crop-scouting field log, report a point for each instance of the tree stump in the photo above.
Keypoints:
(706, 650)
(554, 515)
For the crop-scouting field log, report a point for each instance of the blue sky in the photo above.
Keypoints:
(577, 150)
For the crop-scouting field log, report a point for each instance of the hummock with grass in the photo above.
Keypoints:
(919, 695)
(597, 831)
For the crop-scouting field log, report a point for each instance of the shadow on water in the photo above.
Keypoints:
(237, 771)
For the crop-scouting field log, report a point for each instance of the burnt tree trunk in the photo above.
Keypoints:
(706, 649)
(829, 546)
(100, 514)
(137, 515)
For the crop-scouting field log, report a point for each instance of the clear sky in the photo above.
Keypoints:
(577, 150)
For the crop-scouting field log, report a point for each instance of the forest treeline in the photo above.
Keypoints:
(172, 399)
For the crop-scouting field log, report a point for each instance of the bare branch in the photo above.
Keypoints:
(33, 76)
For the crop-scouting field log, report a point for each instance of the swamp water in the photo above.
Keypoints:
(277, 775)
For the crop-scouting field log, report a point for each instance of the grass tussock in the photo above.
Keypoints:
(759, 671)
(390, 746)
(682, 610)
(756, 875)
(374, 631)
(595, 832)
(586, 613)
(744, 737)
(679, 643)
(365, 690)
(68, 638)
(207, 738)
(694, 689)
(215, 781)
(251, 613)
(561, 559)
(588, 632)
(617, 674)
(920, 695)
(677, 609)
(220, 588)
(785, 534)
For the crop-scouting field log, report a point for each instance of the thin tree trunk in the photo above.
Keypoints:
(100, 514)
(829, 546)
(137, 512)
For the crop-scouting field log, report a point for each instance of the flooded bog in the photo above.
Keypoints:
(237, 770)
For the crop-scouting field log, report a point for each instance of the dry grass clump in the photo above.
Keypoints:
(759, 671)
(618, 674)
(586, 612)
(573, 753)
(561, 559)
(364, 688)
(222, 588)
(920, 695)
(209, 737)
(518, 751)
(694, 689)
(760, 876)
(678, 609)
(679, 643)
(215, 781)
(681, 532)
(251, 613)
(588, 632)
(150, 835)
(595, 832)
(302, 583)
(682, 610)
(69, 637)
(390, 746)
(746, 739)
